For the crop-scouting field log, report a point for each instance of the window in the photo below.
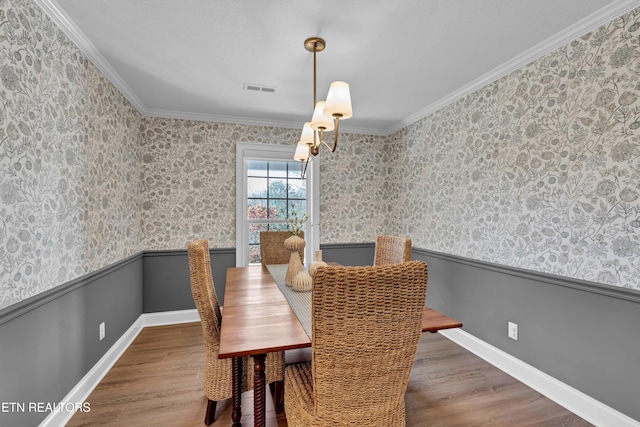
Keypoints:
(275, 192)
(270, 188)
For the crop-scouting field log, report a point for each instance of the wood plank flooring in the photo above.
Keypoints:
(158, 382)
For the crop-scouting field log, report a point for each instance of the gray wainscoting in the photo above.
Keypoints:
(349, 253)
(167, 284)
(49, 342)
(166, 273)
(584, 334)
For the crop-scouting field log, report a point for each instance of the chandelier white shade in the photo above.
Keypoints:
(307, 134)
(321, 121)
(338, 101)
(302, 153)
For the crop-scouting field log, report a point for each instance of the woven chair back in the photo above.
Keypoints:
(217, 372)
(202, 289)
(272, 250)
(366, 327)
(392, 250)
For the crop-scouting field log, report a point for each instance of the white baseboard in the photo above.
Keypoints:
(90, 381)
(577, 402)
(593, 411)
(169, 317)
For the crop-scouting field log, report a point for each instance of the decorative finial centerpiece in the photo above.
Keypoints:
(294, 244)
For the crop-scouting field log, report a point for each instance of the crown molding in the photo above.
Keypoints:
(53, 10)
(362, 131)
(590, 23)
(203, 117)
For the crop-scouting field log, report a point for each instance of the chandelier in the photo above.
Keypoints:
(326, 114)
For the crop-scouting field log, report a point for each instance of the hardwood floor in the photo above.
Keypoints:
(158, 382)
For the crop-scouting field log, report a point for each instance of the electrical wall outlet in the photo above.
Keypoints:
(102, 331)
(513, 331)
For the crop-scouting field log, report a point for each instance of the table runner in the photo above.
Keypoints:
(300, 302)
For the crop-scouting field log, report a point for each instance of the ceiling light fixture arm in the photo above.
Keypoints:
(315, 45)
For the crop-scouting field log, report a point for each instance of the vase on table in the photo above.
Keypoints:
(303, 282)
(294, 244)
(317, 263)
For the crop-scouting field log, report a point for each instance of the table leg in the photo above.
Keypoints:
(236, 389)
(258, 390)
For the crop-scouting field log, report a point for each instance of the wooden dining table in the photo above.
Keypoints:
(257, 319)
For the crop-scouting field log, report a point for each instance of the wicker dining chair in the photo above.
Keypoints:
(366, 323)
(217, 378)
(272, 250)
(392, 250)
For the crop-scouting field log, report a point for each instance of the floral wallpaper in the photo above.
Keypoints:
(538, 170)
(356, 190)
(68, 160)
(189, 179)
(189, 183)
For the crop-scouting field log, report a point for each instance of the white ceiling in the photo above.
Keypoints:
(402, 58)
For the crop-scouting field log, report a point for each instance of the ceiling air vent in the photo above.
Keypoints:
(259, 88)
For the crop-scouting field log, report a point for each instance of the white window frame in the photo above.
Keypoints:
(244, 153)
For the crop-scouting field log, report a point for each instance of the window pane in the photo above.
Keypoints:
(295, 170)
(277, 188)
(297, 189)
(257, 168)
(257, 187)
(279, 207)
(257, 209)
(278, 227)
(254, 254)
(278, 169)
(254, 232)
(298, 207)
